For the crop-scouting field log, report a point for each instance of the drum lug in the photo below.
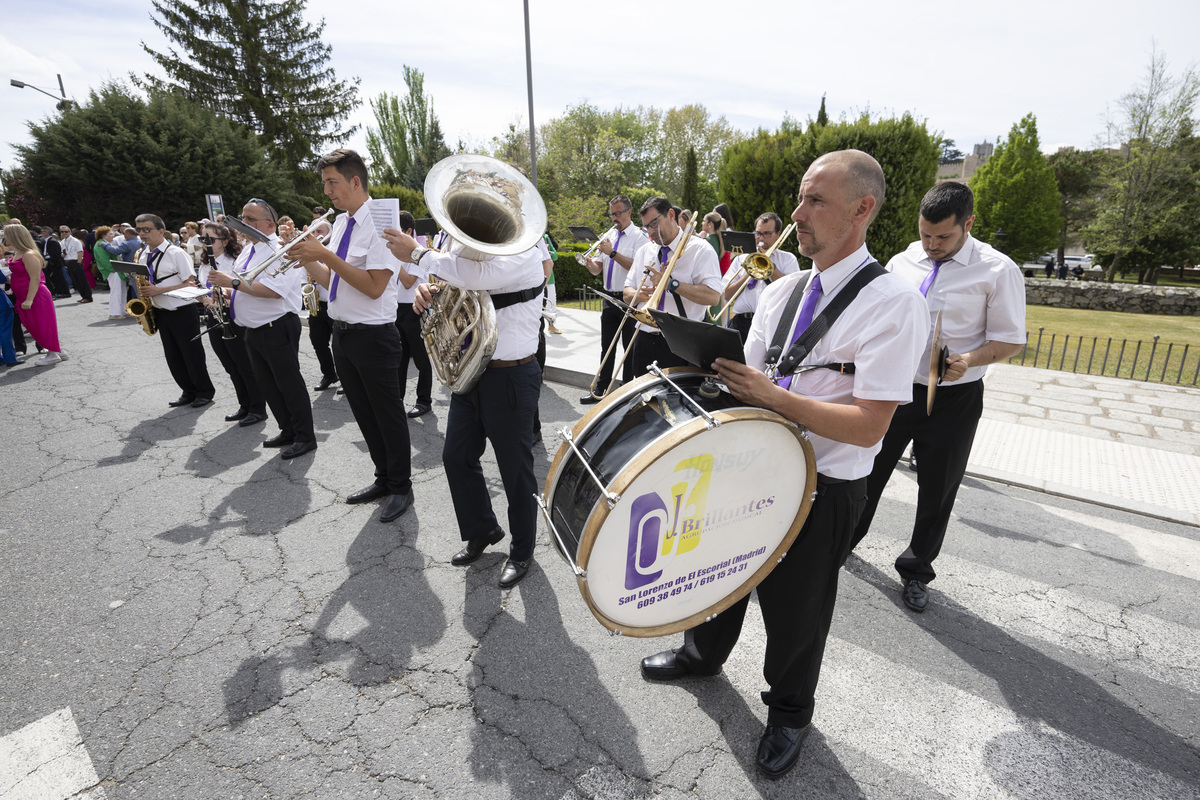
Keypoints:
(709, 420)
(569, 438)
(562, 547)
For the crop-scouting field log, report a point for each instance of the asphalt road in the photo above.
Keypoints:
(186, 616)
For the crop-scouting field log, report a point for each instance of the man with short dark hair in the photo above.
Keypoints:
(178, 320)
(767, 229)
(846, 411)
(980, 294)
(693, 286)
(616, 257)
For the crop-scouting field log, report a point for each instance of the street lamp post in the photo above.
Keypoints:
(63, 103)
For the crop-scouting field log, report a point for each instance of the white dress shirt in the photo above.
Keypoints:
(747, 301)
(225, 263)
(518, 324)
(697, 264)
(613, 274)
(254, 312)
(367, 251)
(981, 294)
(72, 248)
(170, 267)
(407, 295)
(881, 333)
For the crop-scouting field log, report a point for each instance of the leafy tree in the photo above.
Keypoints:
(411, 200)
(764, 172)
(409, 140)
(690, 196)
(590, 150)
(681, 129)
(1077, 174)
(1152, 183)
(1015, 192)
(23, 204)
(388, 146)
(950, 153)
(260, 64)
(118, 155)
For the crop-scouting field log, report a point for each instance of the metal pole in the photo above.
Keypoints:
(529, 80)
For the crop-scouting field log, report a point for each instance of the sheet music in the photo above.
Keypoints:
(187, 292)
(385, 213)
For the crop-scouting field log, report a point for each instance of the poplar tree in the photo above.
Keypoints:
(260, 64)
(1015, 191)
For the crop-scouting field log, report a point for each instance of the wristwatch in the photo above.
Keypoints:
(672, 286)
(236, 282)
(415, 255)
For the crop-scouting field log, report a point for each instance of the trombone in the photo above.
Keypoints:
(583, 258)
(757, 266)
(642, 314)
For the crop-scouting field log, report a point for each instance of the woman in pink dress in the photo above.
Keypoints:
(35, 306)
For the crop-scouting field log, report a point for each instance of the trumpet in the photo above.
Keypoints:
(757, 266)
(642, 315)
(583, 258)
(279, 254)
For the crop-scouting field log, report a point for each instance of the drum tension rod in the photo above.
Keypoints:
(570, 440)
(562, 546)
(709, 419)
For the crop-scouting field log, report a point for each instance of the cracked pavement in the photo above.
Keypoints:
(221, 623)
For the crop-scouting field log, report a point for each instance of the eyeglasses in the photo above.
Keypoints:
(652, 225)
(615, 214)
(144, 230)
(764, 234)
(263, 204)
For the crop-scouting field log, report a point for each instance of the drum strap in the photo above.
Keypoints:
(506, 299)
(819, 327)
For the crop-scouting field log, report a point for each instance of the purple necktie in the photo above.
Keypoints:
(150, 264)
(608, 283)
(807, 311)
(664, 255)
(245, 267)
(928, 282)
(343, 248)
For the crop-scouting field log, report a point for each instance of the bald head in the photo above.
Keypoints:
(863, 175)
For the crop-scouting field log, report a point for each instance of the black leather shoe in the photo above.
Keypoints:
(912, 461)
(663, 666)
(513, 572)
(419, 410)
(588, 400)
(372, 492)
(340, 391)
(914, 594)
(239, 414)
(252, 418)
(201, 402)
(779, 748)
(475, 548)
(298, 449)
(396, 505)
(282, 440)
(183, 400)
(325, 384)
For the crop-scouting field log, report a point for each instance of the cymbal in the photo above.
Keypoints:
(938, 354)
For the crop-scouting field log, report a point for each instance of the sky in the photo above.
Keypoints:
(970, 74)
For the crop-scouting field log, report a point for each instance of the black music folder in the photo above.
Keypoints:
(699, 343)
(130, 268)
(426, 227)
(738, 242)
(583, 233)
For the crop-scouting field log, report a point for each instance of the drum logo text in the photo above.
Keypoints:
(659, 530)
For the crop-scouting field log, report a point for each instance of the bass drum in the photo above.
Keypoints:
(671, 500)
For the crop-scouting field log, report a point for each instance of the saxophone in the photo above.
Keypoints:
(140, 308)
(311, 297)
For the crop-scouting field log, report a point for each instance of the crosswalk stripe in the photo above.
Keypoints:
(47, 760)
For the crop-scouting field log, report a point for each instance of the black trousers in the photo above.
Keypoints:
(320, 332)
(797, 600)
(610, 321)
(235, 359)
(56, 281)
(185, 356)
(274, 352)
(368, 362)
(499, 410)
(741, 323)
(79, 279)
(408, 323)
(651, 347)
(944, 440)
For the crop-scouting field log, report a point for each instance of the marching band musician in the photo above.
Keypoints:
(408, 323)
(360, 275)
(268, 310)
(500, 409)
(252, 406)
(320, 327)
(178, 320)
(767, 229)
(694, 284)
(613, 269)
(881, 333)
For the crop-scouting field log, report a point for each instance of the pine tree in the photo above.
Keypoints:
(1015, 191)
(690, 197)
(258, 63)
(822, 117)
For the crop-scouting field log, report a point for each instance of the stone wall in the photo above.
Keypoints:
(1099, 296)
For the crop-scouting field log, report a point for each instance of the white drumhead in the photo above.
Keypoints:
(700, 514)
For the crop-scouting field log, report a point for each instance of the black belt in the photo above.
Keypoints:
(345, 326)
(498, 364)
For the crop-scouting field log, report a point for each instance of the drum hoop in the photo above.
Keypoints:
(642, 460)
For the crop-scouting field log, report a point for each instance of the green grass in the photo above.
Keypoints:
(1071, 337)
